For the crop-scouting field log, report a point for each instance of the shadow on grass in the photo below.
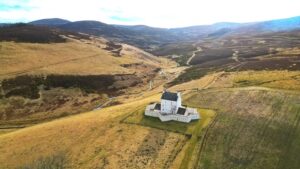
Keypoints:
(148, 150)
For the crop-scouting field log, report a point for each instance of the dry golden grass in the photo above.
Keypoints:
(73, 57)
(289, 80)
(202, 83)
(91, 140)
(4, 131)
(137, 53)
(97, 139)
(288, 51)
(63, 58)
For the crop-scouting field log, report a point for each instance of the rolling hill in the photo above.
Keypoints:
(140, 36)
(51, 22)
(58, 78)
(257, 130)
(277, 25)
(37, 51)
(73, 95)
(150, 38)
(28, 33)
(236, 52)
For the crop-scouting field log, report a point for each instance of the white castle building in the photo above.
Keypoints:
(170, 108)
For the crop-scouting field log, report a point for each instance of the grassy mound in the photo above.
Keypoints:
(139, 118)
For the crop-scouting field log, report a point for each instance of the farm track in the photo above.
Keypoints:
(199, 49)
(214, 80)
(204, 141)
(236, 66)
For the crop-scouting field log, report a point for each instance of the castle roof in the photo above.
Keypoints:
(169, 96)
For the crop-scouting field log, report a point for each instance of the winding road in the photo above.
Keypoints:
(199, 49)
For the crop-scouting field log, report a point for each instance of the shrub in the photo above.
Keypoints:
(29, 33)
(28, 86)
(211, 54)
(51, 162)
(25, 86)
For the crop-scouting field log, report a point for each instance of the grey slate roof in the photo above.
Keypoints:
(169, 96)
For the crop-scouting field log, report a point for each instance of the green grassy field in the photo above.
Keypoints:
(139, 118)
(254, 128)
(194, 131)
(193, 148)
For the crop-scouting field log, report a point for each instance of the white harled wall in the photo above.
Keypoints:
(178, 101)
(168, 106)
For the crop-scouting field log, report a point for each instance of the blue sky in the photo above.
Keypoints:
(159, 13)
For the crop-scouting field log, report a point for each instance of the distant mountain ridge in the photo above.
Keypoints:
(149, 38)
(27, 33)
(50, 22)
(281, 24)
(140, 36)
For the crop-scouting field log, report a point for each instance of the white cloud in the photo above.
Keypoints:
(161, 13)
